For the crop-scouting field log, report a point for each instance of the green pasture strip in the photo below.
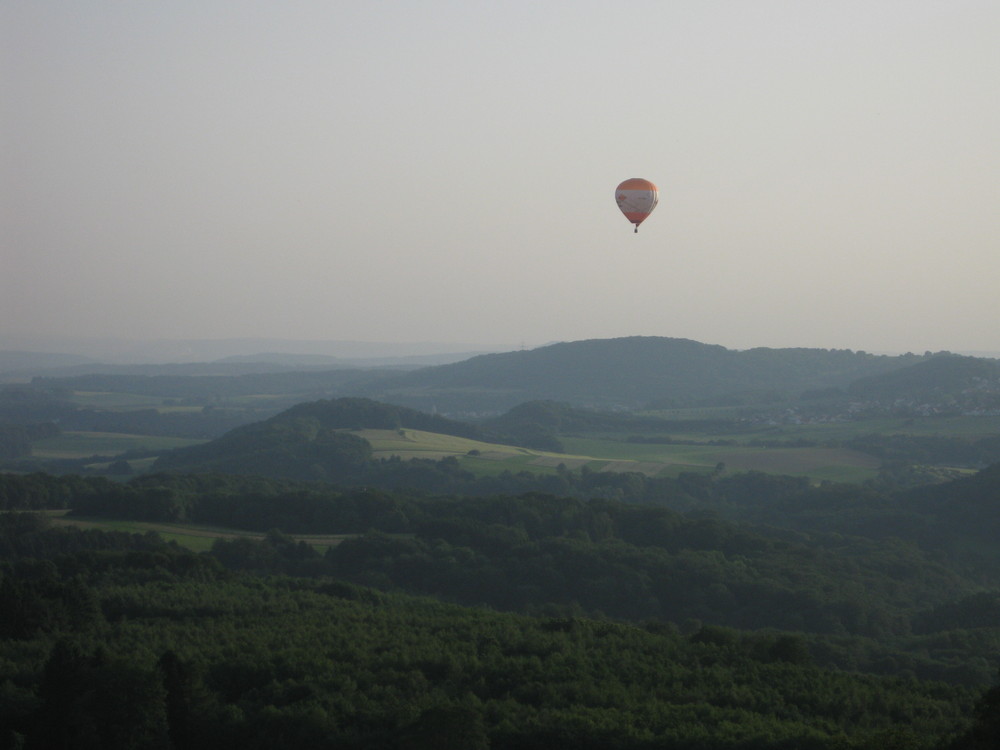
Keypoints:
(113, 400)
(968, 427)
(497, 464)
(833, 464)
(419, 441)
(667, 453)
(848, 466)
(515, 464)
(84, 444)
(260, 400)
(107, 524)
(492, 458)
(971, 427)
(793, 460)
(409, 444)
(817, 463)
(118, 401)
(828, 432)
(195, 537)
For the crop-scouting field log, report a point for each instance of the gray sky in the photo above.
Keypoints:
(829, 172)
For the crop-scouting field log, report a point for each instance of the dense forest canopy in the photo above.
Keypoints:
(903, 568)
(114, 640)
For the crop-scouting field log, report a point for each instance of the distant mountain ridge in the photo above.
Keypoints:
(16, 366)
(622, 374)
(110, 350)
(631, 373)
(25, 363)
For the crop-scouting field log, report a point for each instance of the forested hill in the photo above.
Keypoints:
(631, 372)
(362, 413)
(606, 374)
(940, 375)
(307, 441)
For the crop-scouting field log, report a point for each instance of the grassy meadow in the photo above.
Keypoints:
(603, 454)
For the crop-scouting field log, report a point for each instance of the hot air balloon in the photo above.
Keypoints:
(636, 198)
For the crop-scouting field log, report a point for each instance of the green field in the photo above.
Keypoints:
(817, 463)
(113, 401)
(118, 401)
(691, 449)
(85, 444)
(968, 427)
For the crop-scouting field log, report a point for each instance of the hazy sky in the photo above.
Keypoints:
(829, 172)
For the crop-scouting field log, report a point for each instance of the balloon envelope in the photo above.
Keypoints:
(636, 198)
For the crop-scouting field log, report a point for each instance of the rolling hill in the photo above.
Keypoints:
(942, 375)
(612, 376)
(307, 441)
(620, 374)
(630, 373)
(354, 440)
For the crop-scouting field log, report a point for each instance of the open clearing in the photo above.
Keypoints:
(817, 463)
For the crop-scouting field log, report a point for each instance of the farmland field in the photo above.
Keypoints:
(817, 463)
(962, 426)
(420, 444)
(85, 444)
(116, 401)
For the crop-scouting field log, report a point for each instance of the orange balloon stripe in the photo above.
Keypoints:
(637, 183)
